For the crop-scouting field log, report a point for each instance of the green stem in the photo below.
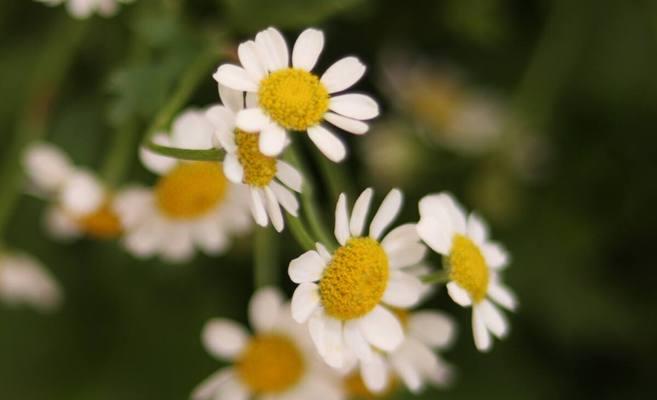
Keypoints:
(54, 62)
(300, 233)
(309, 206)
(334, 176)
(196, 72)
(265, 251)
(123, 149)
(438, 277)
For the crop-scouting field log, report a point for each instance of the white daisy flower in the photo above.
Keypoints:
(277, 362)
(85, 8)
(192, 204)
(24, 280)
(244, 163)
(293, 98)
(81, 204)
(345, 296)
(473, 263)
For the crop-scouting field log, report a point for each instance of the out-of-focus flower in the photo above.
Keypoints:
(459, 117)
(277, 362)
(85, 8)
(345, 297)
(245, 164)
(24, 280)
(294, 98)
(192, 204)
(81, 204)
(473, 263)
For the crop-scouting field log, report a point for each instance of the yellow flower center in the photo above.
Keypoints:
(271, 363)
(355, 388)
(259, 169)
(191, 190)
(294, 98)
(468, 267)
(354, 282)
(102, 223)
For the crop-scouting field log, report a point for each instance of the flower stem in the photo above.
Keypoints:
(436, 278)
(300, 233)
(265, 255)
(117, 163)
(54, 62)
(197, 71)
(334, 176)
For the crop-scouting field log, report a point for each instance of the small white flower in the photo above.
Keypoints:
(245, 164)
(81, 204)
(24, 280)
(85, 8)
(345, 296)
(293, 98)
(473, 263)
(277, 362)
(192, 204)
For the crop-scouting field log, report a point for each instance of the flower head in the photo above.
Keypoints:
(24, 280)
(347, 297)
(276, 362)
(293, 98)
(473, 263)
(85, 8)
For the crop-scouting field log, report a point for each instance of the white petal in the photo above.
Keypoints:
(249, 59)
(272, 49)
(308, 267)
(307, 49)
(279, 46)
(231, 98)
(477, 229)
(435, 225)
(274, 210)
(435, 329)
(305, 301)
(264, 309)
(154, 162)
(178, 245)
(348, 124)
(387, 212)
(375, 374)
(400, 237)
(233, 169)
(60, 225)
(224, 338)
(382, 329)
(326, 256)
(257, 205)
(47, 166)
(235, 78)
(316, 328)
(210, 237)
(329, 144)
(207, 389)
(286, 198)
(355, 340)
(495, 254)
(192, 130)
(354, 105)
(273, 140)
(494, 319)
(24, 280)
(82, 193)
(458, 294)
(252, 120)
(334, 354)
(232, 389)
(457, 214)
(405, 366)
(359, 212)
(502, 296)
(289, 175)
(403, 290)
(482, 338)
(223, 121)
(341, 220)
(408, 255)
(343, 74)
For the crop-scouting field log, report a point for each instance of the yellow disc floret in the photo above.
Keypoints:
(191, 190)
(102, 223)
(355, 280)
(270, 363)
(294, 98)
(468, 267)
(259, 169)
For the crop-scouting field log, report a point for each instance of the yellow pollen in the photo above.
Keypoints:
(468, 268)
(102, 223)
(294, 98)
(355, 388)
(259, 169)
(191, 190)
(270, 363)
(355, 280)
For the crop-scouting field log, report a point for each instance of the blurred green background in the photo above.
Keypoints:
(568, 185)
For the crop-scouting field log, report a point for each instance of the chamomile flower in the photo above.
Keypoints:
(80, 202)
(191, 205)
(24, 280)
(473, 263)
(345, 297)
(85, 8)
(267, 177)
(277, 362)
(292, 98)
